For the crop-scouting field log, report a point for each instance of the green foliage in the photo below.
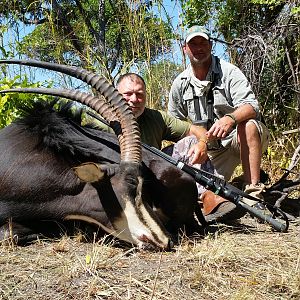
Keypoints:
(159, 78)
(230, 18)
(262, 35)
(111, 41)
(51, 48)
(196, 12)
(296, 10)
(279, 153)
(268, 2)
(221, 15)
(107, 38)
(11, 103)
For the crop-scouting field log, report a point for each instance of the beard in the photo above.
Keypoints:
(137, 111)
(200, 61)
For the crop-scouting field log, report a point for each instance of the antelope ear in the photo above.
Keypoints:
(89, 172)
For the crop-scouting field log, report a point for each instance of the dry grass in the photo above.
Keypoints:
(243, 262)
(229, 263)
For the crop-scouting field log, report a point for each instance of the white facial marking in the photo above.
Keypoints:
(132, 228)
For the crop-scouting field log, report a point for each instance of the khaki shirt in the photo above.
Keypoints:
(232, 89)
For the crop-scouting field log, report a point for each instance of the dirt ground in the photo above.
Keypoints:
(244, 261)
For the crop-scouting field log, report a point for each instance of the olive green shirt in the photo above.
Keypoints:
(155, 125)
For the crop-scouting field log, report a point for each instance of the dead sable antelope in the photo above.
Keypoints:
(52, 169)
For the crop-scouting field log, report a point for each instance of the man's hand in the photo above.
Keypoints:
(221, 128)
(198, 152)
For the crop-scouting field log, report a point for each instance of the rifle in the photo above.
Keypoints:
(217, 185)
(228, 191)
(221, 187)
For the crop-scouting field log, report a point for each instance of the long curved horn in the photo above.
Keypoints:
(102, 107)
(130, 128)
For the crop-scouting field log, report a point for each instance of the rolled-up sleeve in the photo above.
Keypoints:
(175, 129)
(241, 91)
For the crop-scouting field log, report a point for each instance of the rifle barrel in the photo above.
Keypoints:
(217, 185)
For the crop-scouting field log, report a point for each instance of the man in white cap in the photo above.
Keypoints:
(217, 95)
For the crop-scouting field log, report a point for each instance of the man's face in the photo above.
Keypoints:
(198, 49)
(134, 92)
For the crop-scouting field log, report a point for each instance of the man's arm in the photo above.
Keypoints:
(222, 127)
(241, 91)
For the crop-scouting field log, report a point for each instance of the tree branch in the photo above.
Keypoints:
(66, 27)
(100, 36)
(34, 21)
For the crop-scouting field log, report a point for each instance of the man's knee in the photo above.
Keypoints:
(253, 130)
(248, 128)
